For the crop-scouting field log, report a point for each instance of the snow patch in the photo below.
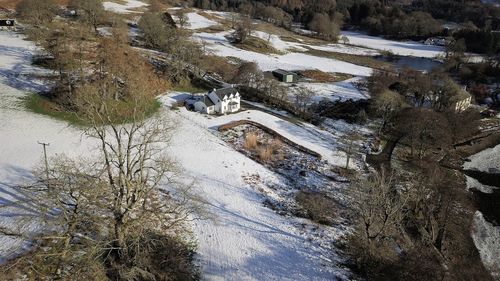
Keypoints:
(123, 8)
(339, 91)
(403, 48)
(486, 237)
(487, 161)
(196, 21)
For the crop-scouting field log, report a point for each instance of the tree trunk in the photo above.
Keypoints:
(120, 244)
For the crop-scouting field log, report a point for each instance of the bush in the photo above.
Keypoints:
(251, 140)
(265, 153)
(156, 257)
(317, 206)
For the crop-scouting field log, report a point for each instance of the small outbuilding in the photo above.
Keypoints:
(285, 76)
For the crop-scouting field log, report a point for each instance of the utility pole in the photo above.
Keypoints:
(45, 158)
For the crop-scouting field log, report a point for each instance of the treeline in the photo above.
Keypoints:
(413, 221)
(320, 16)
(477, 40)
(418, 20)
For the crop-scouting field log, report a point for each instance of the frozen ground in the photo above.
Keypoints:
(219, 45)
(244, 241)
(125, 8)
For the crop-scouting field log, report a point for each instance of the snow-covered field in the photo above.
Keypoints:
(244, 241)
(219, 45)
(339, 91)
(403, 48)
(196, 21)
(285, 46)
(125, 8)
(20, 131)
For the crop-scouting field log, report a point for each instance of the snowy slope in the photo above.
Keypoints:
(20, 131)
(218, 44)
(123, 8)
(244, 241)
(487, 160)
(486, 237)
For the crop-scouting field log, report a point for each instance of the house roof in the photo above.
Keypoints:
(225, 92)
(208, 102)
(460, 96)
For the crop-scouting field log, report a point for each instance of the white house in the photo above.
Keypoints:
(221, 101)
(461, 101)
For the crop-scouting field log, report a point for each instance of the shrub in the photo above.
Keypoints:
(265, 153)
(317, 206)
(251, 140)
(276, 144)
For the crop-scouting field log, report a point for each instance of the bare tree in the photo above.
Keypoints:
(243, 30)
(387, 104)
(92, 11)
(303, 98)
(249, 74)
(379, 201)
(350, 145)
(109, 213)
(275, 93)
(37, 12)
(183, 18)
(344, 39)
(324, 26)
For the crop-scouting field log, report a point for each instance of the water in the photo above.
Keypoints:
(420, 64)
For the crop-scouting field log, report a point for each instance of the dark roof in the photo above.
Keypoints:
(208, 102)
(233, 103)
(283, 72)
(225, 92)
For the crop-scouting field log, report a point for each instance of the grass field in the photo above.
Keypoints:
(258, 45)
(42, 105)
(355, 59)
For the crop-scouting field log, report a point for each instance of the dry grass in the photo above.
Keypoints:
(276, 144)
(251, 140)
(265, 153)
(355, 59)
(258, 45)
(11, 4)
(324, 77)
(317, 207)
